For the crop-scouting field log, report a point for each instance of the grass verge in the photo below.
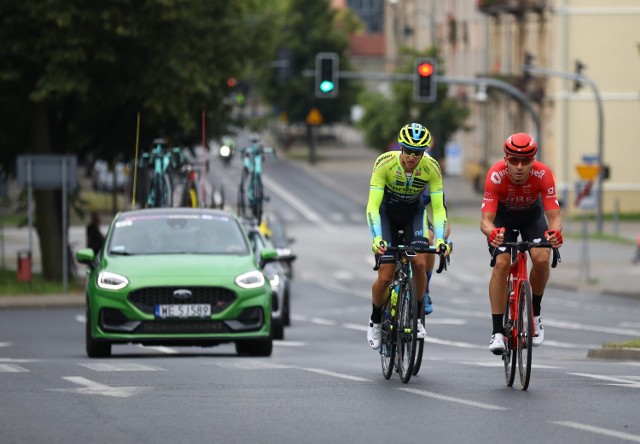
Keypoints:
(632, 343)
(10, 286)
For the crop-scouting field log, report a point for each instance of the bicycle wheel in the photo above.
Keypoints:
(420, 344)
(407, 329)
(242, 209)
(258, 196)
(387, 344)
(509, 355)
(525, 334)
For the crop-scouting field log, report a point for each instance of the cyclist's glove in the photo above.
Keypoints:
(443, 243)
(376, 243)
(557, 233)
(494, 234)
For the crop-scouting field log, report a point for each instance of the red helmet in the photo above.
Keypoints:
(520, 144)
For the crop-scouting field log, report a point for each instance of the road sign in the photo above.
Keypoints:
(585, 195)
(587, 171)
(314, 117)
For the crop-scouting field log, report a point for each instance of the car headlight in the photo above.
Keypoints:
(274, 281)
(111, 281)
(253, 279)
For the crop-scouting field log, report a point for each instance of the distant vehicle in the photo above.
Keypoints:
(276, 230)
(177, 276)
(280, 282)
(102, 176)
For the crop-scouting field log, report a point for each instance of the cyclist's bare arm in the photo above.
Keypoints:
(555, 224)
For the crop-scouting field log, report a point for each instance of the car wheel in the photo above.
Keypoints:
(94, 348)
(286, 310)
(257, 347)
(277, 329)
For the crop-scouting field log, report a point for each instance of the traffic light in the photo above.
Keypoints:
(577, 84)
(425, 80)
(326, 75)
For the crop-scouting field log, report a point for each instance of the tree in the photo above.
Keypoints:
(310, 28)
(73, 76)
(443, 117)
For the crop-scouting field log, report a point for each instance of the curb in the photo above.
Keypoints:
(623, 354)
(44, 301)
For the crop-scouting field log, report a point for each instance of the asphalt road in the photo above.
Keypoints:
(323, 382)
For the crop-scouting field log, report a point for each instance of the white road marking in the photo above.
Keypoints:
(95, 388)
(122, 367)
(598, 430)
(432, 340)
(336, 375)
(299, 205)
(161, 349)
(462, 401)
(18, 360)
(321, 321)
(289, 344)
(81, 319)
(357, 327)
(499, 363)
(12, 368)
(622, 381)
(6, 344)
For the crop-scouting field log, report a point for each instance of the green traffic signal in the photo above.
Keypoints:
(327, 86)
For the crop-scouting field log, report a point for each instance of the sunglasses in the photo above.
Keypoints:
(515, 161)
(414, 153)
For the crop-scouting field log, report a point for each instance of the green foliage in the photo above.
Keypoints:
(95, 65)
(443, 117)
(9, 285)
(306, 29)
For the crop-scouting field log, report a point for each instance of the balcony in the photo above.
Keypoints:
(516, 7)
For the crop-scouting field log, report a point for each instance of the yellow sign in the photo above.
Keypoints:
(314, 117)
(588, 172)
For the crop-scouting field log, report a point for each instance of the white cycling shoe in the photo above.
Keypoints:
(539, 336)
(496, 345)
(422, 333)
(374, 335)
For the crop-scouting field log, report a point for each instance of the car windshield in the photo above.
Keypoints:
(166, 233)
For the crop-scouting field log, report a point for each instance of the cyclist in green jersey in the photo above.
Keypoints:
(397, 181)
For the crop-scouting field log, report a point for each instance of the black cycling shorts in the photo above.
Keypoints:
(410, 219)
(530, 224)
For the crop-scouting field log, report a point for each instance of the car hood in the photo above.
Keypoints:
(167, 266)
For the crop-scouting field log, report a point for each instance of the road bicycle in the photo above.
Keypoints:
(518, 323)
(191, 190)
(253, 197)
(422, 315)
(161, 161)
(400, 313)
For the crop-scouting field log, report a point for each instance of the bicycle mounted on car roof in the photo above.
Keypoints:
(251, 178)
(161, 161)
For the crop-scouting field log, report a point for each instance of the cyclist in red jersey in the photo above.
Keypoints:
(519, 192)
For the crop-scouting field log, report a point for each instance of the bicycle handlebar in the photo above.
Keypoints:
(523, 246)
(412, 251)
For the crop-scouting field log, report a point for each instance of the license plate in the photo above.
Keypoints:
(183, 310)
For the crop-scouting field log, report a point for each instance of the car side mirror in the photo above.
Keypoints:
(268, 255)
(86, 256)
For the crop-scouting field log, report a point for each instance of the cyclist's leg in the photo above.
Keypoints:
(539, 275)
(415, 234)
(431, 260)
(498, 286)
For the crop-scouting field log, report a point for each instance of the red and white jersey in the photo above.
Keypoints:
(498, 188)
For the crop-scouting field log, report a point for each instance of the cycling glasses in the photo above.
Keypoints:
(411, 152)
(515, 161)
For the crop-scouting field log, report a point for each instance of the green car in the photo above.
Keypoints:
(177, 276)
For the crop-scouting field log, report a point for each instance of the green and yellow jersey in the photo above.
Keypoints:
(397, 189)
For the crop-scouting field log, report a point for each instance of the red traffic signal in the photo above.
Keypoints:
(425, 78)
(425, 69)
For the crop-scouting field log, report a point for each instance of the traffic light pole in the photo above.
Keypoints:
(582, 78)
